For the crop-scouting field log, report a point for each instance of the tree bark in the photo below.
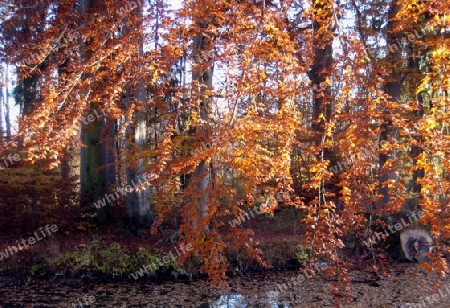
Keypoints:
(93, 177)
(139, 213)
(7, 110)
(415, 244)
(392, 88)
(323, 59)
(202, 73)
(318, 74)
(4, 82)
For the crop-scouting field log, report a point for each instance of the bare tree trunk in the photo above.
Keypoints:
(93, 179)
(68, 163)
(109, 152)
(2, 97)
(139, 213)
(7, 110)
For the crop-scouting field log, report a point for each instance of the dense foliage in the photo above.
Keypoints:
(337, 108)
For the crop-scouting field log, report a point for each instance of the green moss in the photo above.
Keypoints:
(112, 260)
(302, 253)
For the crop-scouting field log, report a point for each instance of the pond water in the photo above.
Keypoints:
(402, 287)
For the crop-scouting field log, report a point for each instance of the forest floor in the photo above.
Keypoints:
(82, 253)
(405, 285)
(80, 248)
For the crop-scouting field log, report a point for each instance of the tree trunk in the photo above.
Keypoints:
(70, 160)
(416, 150)
(202, 73)
(415, 244)
(318, 74)
(323, 59)
(2, 98)
(93, 180)
(139, 213)
(94, 184)
(417, 54)
(68, 163)
(7, 110)
(392, 89)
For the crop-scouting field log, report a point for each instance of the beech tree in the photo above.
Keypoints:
(275, 93)
(139, 213)
(94, 182)
(202, 82)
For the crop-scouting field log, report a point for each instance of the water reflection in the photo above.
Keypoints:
(231, 301)
(241, 301)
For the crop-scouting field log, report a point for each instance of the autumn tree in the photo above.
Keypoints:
(429, 131)
(260, 80)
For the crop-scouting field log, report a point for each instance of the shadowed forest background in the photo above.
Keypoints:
(265, 134)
